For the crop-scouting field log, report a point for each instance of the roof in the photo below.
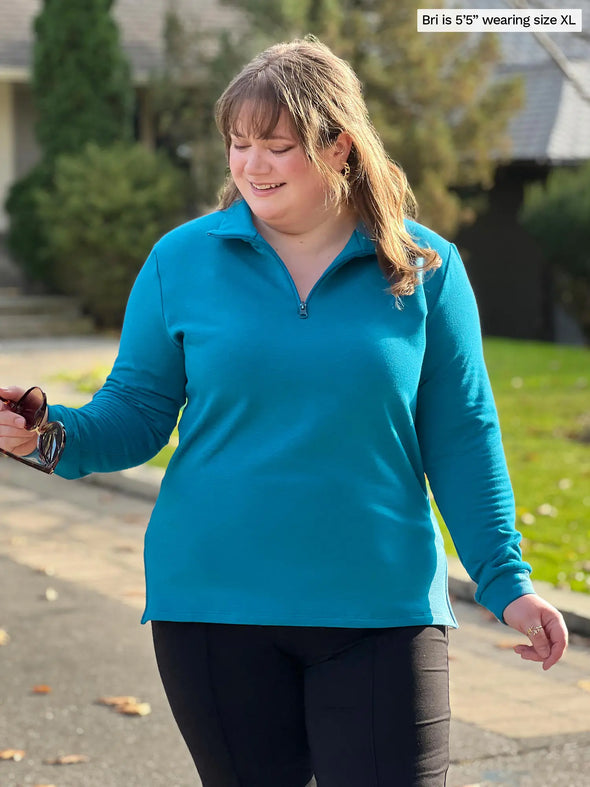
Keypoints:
(553, 126)
(140, 23)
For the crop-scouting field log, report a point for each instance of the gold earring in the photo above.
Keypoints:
(346, 170)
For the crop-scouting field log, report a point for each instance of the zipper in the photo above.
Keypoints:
(302, 305)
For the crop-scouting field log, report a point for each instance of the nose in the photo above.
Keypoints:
(257, 162)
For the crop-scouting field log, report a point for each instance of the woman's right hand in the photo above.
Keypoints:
(14, 437)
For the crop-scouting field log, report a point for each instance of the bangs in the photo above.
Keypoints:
(253, 109)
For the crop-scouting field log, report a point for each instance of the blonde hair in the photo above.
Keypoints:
(323, 97)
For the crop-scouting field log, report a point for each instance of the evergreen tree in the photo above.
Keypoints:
(83, 93)
(81, 78)
(429, 94)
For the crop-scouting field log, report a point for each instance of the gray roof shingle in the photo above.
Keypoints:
(140, 23)
(554, 125)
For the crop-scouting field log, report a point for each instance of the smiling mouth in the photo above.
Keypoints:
(266, 186)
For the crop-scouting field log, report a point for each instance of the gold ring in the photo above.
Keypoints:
(532, 631)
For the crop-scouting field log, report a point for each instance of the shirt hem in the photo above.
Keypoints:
(393, 621)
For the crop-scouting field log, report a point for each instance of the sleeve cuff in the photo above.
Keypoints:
(503, 590)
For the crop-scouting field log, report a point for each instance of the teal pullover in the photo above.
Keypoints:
(297, 494)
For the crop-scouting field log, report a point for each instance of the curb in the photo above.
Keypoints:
(144, 482)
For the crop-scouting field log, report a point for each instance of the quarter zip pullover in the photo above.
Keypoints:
(297, 494)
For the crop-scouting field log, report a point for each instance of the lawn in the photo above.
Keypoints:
(542, 393)
(543, 396)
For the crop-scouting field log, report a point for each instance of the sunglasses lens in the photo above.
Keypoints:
(32, 407)
(50, 444)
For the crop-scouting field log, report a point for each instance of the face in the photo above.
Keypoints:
(283, 189)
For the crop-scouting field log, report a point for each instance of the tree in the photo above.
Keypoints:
(81, 78)
(198, 64)
(557, 214)
(83, 93)
(430, 95)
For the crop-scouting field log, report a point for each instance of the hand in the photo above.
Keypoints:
(549, 643)
(13, 435)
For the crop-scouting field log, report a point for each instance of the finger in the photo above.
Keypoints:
(558, 636)
(528, 653)
(539, 641)
(12, 392)
(10, 421)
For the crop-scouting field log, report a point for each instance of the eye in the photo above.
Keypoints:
(282, 150)
(235, 146)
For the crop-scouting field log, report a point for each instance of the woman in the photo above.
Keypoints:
(327, 352)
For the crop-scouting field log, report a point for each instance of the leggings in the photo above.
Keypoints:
(272, 706)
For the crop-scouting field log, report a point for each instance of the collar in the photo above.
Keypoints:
(237, 223)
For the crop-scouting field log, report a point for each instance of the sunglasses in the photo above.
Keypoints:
(51, 437)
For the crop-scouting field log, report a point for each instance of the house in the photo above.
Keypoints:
(141, 26)
(510, 276)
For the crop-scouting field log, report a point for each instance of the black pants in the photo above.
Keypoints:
(268, 706)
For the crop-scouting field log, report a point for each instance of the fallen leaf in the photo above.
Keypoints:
(12, 754)
(67, 759)
(41, 689)
(134, 709)
(584, 684)
(4, 638)
(129, 706)
(115, 701)
(546, 509)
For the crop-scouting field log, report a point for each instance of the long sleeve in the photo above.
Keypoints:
(461, 443)
(132, 416)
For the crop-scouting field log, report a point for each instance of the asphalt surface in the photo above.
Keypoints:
(71, 594)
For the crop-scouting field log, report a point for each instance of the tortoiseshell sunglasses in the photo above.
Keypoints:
(51, 437)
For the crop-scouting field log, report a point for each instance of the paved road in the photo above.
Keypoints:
(513, 724)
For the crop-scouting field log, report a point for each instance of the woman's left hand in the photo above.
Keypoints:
(542, 624)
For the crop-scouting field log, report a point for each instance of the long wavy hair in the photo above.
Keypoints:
(323, 97)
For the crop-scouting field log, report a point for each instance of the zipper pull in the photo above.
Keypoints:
(303, 310)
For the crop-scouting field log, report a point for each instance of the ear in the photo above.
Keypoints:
(340, 150)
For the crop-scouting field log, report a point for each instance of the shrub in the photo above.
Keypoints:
(558, 216)
(26, 237)
(107, 208)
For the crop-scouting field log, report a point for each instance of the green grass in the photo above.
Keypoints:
(543, 396)
(542, 392)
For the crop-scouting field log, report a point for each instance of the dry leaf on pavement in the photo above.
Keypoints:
(129, 706)
(115, 701)
(67, 759)
(135, 709)
(41, 689)
(4, 638)
(12, 754)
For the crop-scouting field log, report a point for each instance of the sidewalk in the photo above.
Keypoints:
(513, 724)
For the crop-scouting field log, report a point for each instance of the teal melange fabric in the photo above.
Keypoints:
(297, 493)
